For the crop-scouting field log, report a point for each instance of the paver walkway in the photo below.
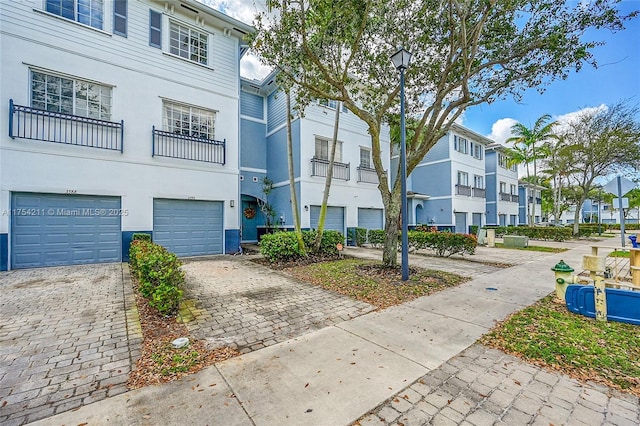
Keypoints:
(68, 337)
(238, 303)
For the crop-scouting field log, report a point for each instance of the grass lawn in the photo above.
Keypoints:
(548, 334)
(535, 248)
(368, 281)
(619, 253)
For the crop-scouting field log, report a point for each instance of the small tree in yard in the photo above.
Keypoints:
(604, 141)
(464, 54)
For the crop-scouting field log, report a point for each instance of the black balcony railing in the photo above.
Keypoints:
(515, 198)
(479, 193)
(505, 196)
(367, 175)
(538, 200)
(174, 145)
(463, 190)
(48, 126)
(320, 167)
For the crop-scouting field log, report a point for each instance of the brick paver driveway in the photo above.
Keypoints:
(241, 304)
(68, 336)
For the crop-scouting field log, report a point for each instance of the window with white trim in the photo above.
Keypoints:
(503, 160)
(188, 120)
(503, 187)
(514, 189)
(188, 43)
(87, 12)
(463, 178)
(478, 181)
(323, 150)
(333, 104)
(477, 151)
(460, 144)
(365, 158)
(70, 96)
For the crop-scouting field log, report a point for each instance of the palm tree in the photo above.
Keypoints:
(526, 149)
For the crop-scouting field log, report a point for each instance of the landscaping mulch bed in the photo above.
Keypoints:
(159, 361)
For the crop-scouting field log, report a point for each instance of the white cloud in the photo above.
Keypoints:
(251, 67)
(575, 115)
(501, 130)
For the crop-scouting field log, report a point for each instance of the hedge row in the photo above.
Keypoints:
(283, 246)
(444, 244)
(551, 233)
(158, 271)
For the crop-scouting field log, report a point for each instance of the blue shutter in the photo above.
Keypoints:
(120, 17)
(155, 29)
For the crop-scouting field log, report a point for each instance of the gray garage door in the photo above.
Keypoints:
(334, 219)
(57, 229)
(188, 228)
(370, 218)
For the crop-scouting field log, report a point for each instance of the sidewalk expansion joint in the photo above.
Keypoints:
(235, 395)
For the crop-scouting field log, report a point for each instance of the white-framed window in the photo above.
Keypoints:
(365, 158)
(87, 12)
(514, 189)
(502, 161)
(188, 43)
(70, 95)
(478, 181)
(503, 187)
(460, 144)
(323, 149)
(477, 151)
(330, 103)
(189, 120)
(463, 178)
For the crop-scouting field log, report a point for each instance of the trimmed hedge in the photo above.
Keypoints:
(159, 275)
(375, 237)
(283, 246)
(141, 236)
(361, 236)
(444, 244)
(551, 233)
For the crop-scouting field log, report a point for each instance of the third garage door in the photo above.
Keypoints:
(187, 227)
(333, 221)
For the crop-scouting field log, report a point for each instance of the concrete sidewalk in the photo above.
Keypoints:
(379, 363)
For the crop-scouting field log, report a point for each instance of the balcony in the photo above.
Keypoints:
(320, 167)
(463, 190)
(479, 192)
(174, 145)
(367, 175)
(515, 198)
(505, 196)
(48, 126)
(538, 200)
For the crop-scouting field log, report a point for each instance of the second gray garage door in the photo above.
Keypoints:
(188, 228)
(333, 221)
(370, 218)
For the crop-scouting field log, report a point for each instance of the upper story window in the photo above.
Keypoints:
(120, 17)
(87, 12)
(514, 190)
(188, 43)
(365, 158)
(478, 181)
(323, 150)
(460, 144)
(463, 178)
(188, 120)
(330, 103)
(503, 187)
(70, 96)
(477, 150)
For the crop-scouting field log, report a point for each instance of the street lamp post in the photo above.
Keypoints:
(401, 61)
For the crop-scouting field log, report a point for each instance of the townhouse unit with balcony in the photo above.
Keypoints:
(502, 187)
(117, 117)
(448, 188)
(530, 202)
(354, 199)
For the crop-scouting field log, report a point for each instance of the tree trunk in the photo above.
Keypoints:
(390, 252)
(327, 182)
(292, 180)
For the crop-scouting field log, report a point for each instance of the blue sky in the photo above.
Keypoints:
(616, 78)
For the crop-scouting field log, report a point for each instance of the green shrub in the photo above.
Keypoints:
(330, 239)
(376, 237)
(159, 275)
(473, 229)
(551, 233)
(443, 243)
(141, 236)
(361, 236)
(418, 240)
(280, 246)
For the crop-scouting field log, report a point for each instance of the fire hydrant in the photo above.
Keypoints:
(563, 278)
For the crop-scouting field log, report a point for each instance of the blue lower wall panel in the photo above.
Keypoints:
(126, 242)
(4, 251)
(231, 241)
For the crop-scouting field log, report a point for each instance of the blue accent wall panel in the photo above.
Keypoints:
(277, 163)
(127, 236)
(492, 214)
(4, 251)
(252, 105)
(439, 210)
(253, 146)
(231, 241)
(440, 151)
(491, 161)
(276, 110)
(492, 188)
(249, 187)
(280, 200)
(433, 180)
